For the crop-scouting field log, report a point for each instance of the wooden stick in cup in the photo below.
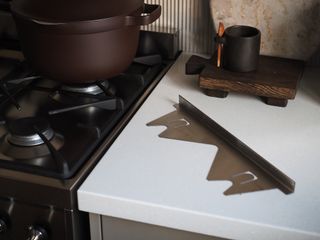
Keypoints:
(220, 45)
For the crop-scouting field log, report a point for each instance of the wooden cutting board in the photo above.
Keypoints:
(276, 79)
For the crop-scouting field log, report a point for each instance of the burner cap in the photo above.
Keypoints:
(23, 132)
(92, 89)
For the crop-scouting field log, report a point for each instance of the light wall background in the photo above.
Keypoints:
(290, 28)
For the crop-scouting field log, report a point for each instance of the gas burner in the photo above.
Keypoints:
(27, 132)
(31, 155)
(92, 89)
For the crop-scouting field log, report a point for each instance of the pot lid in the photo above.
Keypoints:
(56, 11)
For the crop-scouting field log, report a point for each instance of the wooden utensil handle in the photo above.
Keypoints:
(220, 45)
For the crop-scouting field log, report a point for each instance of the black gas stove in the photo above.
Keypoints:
(52, 135)
(50, 129)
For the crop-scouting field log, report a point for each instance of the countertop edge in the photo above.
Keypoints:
(196, 222)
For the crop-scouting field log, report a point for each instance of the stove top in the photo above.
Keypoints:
(51, 129)
(52, 135)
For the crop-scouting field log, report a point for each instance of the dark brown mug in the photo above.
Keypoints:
(241, 48)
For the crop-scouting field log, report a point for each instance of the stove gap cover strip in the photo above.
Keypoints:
(249, 172)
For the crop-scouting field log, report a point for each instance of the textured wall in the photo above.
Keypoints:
(290, 28)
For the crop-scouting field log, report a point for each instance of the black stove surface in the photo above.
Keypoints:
(53, 135)
(50, 129)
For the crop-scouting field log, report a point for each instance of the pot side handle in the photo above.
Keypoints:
(150, 14)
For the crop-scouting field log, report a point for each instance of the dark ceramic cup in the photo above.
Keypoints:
(241, 48)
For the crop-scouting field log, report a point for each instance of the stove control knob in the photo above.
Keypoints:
(3, 225)
(37, 233)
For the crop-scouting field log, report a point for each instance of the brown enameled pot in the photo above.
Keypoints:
(81, 41)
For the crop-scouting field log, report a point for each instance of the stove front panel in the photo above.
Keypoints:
(23, 221)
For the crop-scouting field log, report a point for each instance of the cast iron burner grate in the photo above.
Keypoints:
(101, 94)
(51, 129)
(14, 79)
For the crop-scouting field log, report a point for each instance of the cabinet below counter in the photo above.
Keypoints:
(155, 187)
(109, 228)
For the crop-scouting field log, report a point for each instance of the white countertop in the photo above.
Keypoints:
(160, 181)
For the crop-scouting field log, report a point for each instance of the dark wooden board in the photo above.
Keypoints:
(276, 79)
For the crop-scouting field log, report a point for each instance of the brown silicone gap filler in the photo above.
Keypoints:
(234, 161)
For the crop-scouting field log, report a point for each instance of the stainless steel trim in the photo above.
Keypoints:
(95, 226)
